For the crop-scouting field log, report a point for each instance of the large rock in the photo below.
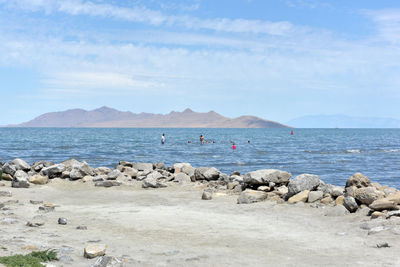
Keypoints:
(383, 204)
(80, 170)
(250, 196)
(358, 180)
(350, 203)
(264, 177)
(21, 165)
(303, 182)
(38, 179)
(94, 250)
(152, 183)
(179, 166)
(70, 163)
(143, 166)
(211, 174)
(182, 178)
(314, 196)
(367, 195)
(53, 170)
(102, 170)
(113, 175)
(20, 179)
(338, 210)
(299, 197)
(9, 168)
(189, 170)
(395, 197)
(199, 173)
(131, 172)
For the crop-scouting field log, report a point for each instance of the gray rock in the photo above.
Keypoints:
(9, 168)
(188, 169)
(383, 245)
(199, 173)
(154, 175)
(250, 196)
(113, 175)
(207, 195)
(62, 221)
(126, 163)
(367, 195)
(333, 190)
(107, 261)
(70, 163)
(350, 203)
(236, 178)
(303, 182)
(21, 180)
(81, 227)
(338, 210)
(264, 177)
(143, 166)
(211, 174)
(53, 170)
(102, 170)
(108, 183)
(81, 170)
(21, 165)
(358, 180)
(314, 196)
(152, 183)
(131, 172)
(159, 166)
(393, 213)
(182, 178)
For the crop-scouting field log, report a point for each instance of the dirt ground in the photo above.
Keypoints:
(174, 227)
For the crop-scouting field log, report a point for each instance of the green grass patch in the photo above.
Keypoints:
(1, 175)
(32, 259)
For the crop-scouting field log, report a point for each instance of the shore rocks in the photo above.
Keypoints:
(250, 196)
(338, 210)
(350, 203)
(21, 179)
(143, 166)
(9, 168)
(358, 180)
(264, 177)
(303, 182)
(94, 250)
(38, 179)
(383, 204)
(299, 197)
(314, 196)
(53, 170)
(80, 170)
(182, 178)
(367, 195)
(207, 195)
(21, 165)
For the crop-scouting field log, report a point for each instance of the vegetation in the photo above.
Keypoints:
(1, 175)
(32, 259)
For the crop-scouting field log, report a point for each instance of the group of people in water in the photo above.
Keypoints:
(203, 141)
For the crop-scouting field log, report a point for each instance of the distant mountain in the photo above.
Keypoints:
(342, 121)
(108, 118)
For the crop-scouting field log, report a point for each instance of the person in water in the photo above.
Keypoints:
(233, 146)
(202, 139)
(163, 139)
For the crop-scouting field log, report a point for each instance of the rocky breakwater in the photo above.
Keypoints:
(359, 195)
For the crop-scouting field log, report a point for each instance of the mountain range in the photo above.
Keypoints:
(109, 117)
(343, 121)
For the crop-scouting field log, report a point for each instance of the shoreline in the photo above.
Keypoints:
(160, 206)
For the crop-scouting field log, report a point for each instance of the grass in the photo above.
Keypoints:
(1, 175)
(32, 259)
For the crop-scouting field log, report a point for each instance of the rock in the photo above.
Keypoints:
(367, 195)
(159, 166)
(350, 203)
(38, 179)
(391, 190)
(182, 178)
(189, 170)
(383, 204)
(6, 177)
(339, 200)
(326, 200)
(81, 227)
(21, 165)
(131, 172)
(80, 170)
(113, 175)
(177, 167)
(20, 179)
(87, 179)
(358, 180)
(143, 166)
(102, 170)
(45, 208)
(377, 214)
(395, 197)
(231, 186)
(108, 183)
(62, 221)
(199, 173)
(154, 175)
(107, 261)
(383, 245)
(65, 175)
(365, 211)
(211, 174)
(299, 197)
(314, 196)
(126, 163)
(250, 196)
(264, 188)
(303, 182)
(94, 250)
(207, 195)
(236, 178)
(35, 223)
(70, 163)
(336, 191)
(53, 171)
(9, 168)
(36, 202)
(264, 177)
(282, 190)
(338, 210)
(5, 194)
(152, 183)
(393, 213)
(350, 191)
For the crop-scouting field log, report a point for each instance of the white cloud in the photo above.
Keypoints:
(387, 23)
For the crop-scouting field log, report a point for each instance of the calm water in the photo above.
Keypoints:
(333, 154)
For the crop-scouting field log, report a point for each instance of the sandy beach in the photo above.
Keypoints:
(174, 227)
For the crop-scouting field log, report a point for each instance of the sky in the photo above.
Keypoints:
(276, 59)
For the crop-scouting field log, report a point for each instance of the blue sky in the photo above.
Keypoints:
(277, 59)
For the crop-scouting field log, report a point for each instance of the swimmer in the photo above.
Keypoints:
(163, 139)
(233, 146)
(202, 139)
(248, 141)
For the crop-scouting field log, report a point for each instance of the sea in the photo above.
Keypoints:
(333, 154)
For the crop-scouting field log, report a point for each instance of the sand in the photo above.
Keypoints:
(174, 227)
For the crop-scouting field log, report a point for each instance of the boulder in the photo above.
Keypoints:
(113, 175)
(70, 163)
(131, 172)
(102, 170)
(21, 179)
(367, 195)
(80, 170)
(264, 177)
(9, 168)
(152, 183)
(126, 163)
(339, 200)
(199, 173)
(188, 169)
(236, 178)
(182, 178)
(53, 170)
(211, 174)
(338, 210)
(282, 190)
(358, 180)
(21, 165)
(350, 203)
(395, 197)
(94, 250)
(303, 182)
(207, 195)
(383, 204)
(350, 191)
(250, 196)
(143, 166)
(38, 179)
(299, 197)
(314, 196)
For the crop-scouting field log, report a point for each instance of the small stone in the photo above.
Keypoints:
(377, 214)
(81, 227)
(302, 196)
(339, 200)
(36, 202)
(382, 245)
(35, 223)
(46, 208)
(62, 221)
(5, 194)
(207, 195)
(350, 203)
(94, 250)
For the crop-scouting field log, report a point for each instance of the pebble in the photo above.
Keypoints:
(81, 227)
(382, 245)
(62, 221)
(36, 202)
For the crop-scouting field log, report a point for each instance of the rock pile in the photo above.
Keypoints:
(267, 184)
